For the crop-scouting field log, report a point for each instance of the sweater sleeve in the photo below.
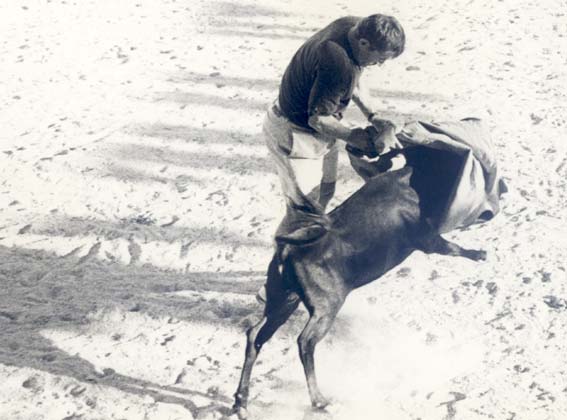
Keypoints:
(332, 81)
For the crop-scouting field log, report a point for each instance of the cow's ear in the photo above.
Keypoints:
(302, 235)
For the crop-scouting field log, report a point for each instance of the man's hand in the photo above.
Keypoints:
(385, 139)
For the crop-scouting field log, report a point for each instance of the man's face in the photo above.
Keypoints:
(368, 56)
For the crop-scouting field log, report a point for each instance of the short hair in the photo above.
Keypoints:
(383, 32)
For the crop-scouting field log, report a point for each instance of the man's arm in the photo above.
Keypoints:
(361, 97)
(387, 130)
(329, 126)
(332, 80)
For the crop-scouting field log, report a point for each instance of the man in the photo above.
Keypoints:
(323, 76)
(302, 126)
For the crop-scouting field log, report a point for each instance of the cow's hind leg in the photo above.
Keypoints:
(280, 304)
(439, 245)
(322, 315)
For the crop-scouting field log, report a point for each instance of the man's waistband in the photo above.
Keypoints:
(276, 110)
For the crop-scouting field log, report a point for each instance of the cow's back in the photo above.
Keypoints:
(374, 229)
(383, 222)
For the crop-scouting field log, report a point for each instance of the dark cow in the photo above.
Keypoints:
(323, 259)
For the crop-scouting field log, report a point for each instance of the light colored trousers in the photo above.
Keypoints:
(305, 161)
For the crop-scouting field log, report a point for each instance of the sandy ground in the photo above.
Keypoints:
(137, 204)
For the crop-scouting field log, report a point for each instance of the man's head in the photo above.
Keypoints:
(376, 39)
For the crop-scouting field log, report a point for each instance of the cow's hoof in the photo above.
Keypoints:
(240, 412)
(321, 404)
(475, 255)
(480, 255)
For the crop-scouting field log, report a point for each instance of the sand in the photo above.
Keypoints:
(138, 203)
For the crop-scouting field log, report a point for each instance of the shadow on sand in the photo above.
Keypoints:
(61, 293)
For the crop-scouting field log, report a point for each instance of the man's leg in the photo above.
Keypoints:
(300, 178)
(317, 177)
(306, 175)
(329, 179)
